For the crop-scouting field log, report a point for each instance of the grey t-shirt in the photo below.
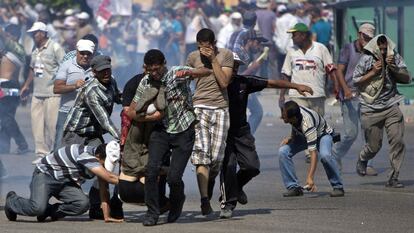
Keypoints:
(349, 57)
(70, 72)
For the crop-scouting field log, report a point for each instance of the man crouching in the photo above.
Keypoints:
(60, 175)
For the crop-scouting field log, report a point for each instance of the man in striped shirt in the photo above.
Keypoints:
(309, 131)
(60, 175)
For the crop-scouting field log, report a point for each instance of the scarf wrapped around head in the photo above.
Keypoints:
(372, 90)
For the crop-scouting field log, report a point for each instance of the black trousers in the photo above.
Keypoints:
(8, 125)
(160, 145)
(240, 150)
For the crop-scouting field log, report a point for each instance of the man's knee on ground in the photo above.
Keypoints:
(80, 206)
(37, 209)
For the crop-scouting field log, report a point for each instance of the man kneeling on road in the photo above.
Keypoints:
(309, 131)
(60, 175)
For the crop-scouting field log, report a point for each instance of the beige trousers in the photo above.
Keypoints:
(316, 104)
(44, 118)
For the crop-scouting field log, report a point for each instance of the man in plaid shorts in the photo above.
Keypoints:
(210, 102)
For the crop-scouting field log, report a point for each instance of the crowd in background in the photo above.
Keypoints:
(169, 26)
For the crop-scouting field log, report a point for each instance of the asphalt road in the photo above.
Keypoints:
(368, 206)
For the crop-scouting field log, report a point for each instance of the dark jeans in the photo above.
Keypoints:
(42, 188)
(181, 146)
(8, 126)
(134, 191)
(240, 150)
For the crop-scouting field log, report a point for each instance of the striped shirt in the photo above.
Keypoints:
(70, 162)
(90, 115)
(313, 127)
(179, 113)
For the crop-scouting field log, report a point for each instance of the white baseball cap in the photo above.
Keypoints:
(38, 26)
(236, 15)
(85, 45)
(82, 15)
(113, 154)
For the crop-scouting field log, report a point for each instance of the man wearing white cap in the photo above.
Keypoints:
(84, 27)
(348, 59)
(60, 174)
(284, 22)
(71, 76)
(45, 104)
(225, 33)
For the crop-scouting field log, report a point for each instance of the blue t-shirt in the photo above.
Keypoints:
(323, 30)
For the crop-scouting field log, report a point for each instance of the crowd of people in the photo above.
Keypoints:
(194, 109)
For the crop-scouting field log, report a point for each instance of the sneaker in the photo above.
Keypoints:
(11, 216)
(337, 192)
(175, 210)
(242, 198)
(293, 192)
(394, 183)
(149, 221)
(361, 167)
(206, 207)
(371, 171)
(226, 213)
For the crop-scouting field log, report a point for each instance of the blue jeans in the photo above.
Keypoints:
(256, 112)
(59, 130)
(351, 118)
(287, 168)
(42, 188)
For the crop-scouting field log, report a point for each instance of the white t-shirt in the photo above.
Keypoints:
(283, 39)
(309, 68)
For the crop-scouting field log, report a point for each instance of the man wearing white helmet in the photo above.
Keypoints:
(70, 77)
(240, 148)
(45, 62)
(60, 174)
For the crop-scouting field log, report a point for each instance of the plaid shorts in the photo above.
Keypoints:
(210, 136)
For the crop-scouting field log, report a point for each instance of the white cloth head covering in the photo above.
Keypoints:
(113, 155)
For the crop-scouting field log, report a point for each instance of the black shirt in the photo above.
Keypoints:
(130, 89)
(238, 92)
